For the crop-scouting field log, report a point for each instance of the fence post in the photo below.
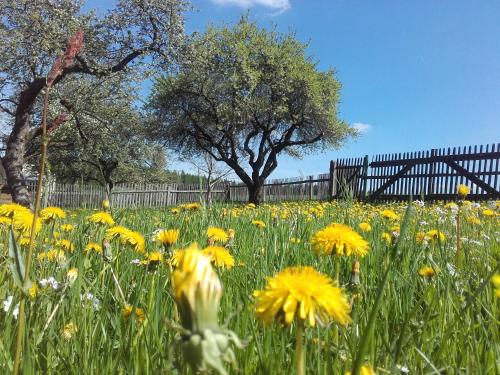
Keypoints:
(228, 192)
(331, 180)
(430, 181)
(364, 176)
(310, 188)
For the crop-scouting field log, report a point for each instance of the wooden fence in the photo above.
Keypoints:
(125, 195)
(433, 174)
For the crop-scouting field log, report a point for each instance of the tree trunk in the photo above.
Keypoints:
(255, 193)
(13, 161)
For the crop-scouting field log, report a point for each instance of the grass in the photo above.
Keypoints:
(448, 323)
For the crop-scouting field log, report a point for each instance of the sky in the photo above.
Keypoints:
(415, 75)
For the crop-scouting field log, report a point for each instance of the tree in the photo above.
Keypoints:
(213, 172)
(245, 95)
(32, 34)
(103, 139)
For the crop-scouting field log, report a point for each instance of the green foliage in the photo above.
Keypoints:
(245, 94)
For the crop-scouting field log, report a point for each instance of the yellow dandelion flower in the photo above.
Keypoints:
(33, 291)
(495, 280)
(5, 221)
(219, 256)
(175, 211)
(22, 221)
(52, 213)
(250, 205)
(473, 220)
(128, 310)
(463, 191)
(389, 214)
(436, 235)
(387, 238)
(427, 271)
(93, 246)
(24, 241)
(301, 293)
(420, 237)
(217, 234)
(9, 209)
(259, 223)
(72, 275)
(365, 227)
(65, 245)
(69, 330)
(101, 218)
(155, 257)
(488, 213)
(166, 237)
(67, 228)
(127, 237)
(365, 370)
(339, 239)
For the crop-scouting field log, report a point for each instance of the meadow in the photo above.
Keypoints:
(101, 299)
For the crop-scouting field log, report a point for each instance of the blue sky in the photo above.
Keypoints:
(415, 74)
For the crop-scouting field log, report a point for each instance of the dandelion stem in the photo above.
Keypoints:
(300, 350)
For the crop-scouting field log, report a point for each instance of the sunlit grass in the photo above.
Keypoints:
(445, 323)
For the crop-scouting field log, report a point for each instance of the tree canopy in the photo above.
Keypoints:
(244, 95)
(34, 33)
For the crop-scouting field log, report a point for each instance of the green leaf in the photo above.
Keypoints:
(16, 263)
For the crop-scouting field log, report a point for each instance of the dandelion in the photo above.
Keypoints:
(127, 237)
(22, 221)
(219, 256)
(365, 227)
(166, 237)
(67, 228)
(65, 245)
(69, 330)
(9, 209)
(175, 211)
(52, 213)
(495, 280)
(33, 291)
(93, 247)
(259, 223)
(427, 271)
(462, 191)
(304, 294)
(217, 235)
(365, 370)
(105, 204)
(138, 313)
(72, 275)
(24, 241)
(436, 235)
(101, 218)
(387, 238)
(488, 213)
(390, 215)
(197, 293)
(340, 240)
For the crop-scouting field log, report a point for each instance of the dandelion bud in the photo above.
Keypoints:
(463, 191)
(197, 292)
(69, 330)
(105, 204)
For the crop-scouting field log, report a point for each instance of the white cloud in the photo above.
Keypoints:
(362, 128)
(279, 5)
